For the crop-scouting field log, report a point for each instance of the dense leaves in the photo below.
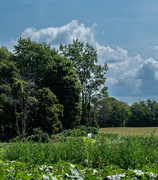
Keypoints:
(39, 88)
(91, 75)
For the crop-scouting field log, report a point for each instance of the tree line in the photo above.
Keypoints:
(61, 89)
(43, 87)
(114, 113)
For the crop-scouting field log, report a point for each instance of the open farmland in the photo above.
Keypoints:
(133, 131)
(104, 156)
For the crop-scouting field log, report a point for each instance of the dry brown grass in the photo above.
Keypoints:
(134, 131)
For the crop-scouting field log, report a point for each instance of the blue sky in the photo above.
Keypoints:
(124, 33)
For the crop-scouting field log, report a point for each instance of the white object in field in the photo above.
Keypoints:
(89, 135)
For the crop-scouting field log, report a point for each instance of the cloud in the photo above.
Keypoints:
(128, 76)
(61, 35)
(148, 70)
(111, 55)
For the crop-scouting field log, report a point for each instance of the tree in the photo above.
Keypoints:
(143, 114)
(91, 75)
(112, 113)
(49, 111)
(32, 59)
(138, 114)
(4, 53)
(153, 112)
(22, 94)
(8, 72)
(62, 79)
(7, 119)
(40, 63)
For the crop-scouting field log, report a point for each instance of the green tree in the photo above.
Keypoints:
(32, 59)
(40, 63)
(4, 53)
(91, 75)
(139, 113)
(112, 113)
(144, 114)
(49, 111)
(23, 99)
(62, 79)
(153, 112)
(8, 72)
(7, 119)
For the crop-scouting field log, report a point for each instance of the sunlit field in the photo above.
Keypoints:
(116, 154)
(134, 131)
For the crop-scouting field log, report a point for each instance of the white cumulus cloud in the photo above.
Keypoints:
(61, 35)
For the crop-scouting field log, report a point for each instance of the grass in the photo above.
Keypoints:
(133, 131)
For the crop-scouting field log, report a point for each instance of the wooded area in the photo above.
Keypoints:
(58, 90)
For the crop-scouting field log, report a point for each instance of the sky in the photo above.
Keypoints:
(124, 33)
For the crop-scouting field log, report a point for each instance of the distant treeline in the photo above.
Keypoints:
(113, 113)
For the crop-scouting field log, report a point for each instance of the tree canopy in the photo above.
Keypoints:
(90, 73)
(41, 88)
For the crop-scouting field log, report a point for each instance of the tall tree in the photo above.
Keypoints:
(62, 79)
(32, 58)
(90, 73)
(8, 72)
(40, 63)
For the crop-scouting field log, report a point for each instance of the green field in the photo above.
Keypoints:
(116, 153)
(133, 131)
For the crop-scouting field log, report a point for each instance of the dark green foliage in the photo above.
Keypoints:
(4, 53)
(38, 136)
(8, 72)
(88, 129)
(32, 59)
(62, 79)
(49, 111)
(112, 113)
(48, 69)
(7, 120)
(143, 114)
(41, 88)
(91, 75)
(72, 133)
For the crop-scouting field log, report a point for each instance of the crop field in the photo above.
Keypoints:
(109, 155)
(133, 131)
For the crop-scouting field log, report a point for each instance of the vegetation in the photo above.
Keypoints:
(55, 91)
(132, 131)
(38, 88)
(114, 113)
(106, 156)
(91, 76)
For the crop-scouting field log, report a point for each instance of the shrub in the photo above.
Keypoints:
(72, 133)
(93, 130)
(38, 135)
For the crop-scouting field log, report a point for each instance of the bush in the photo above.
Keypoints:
(38, 135)
(93, 130)
(72, 133)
